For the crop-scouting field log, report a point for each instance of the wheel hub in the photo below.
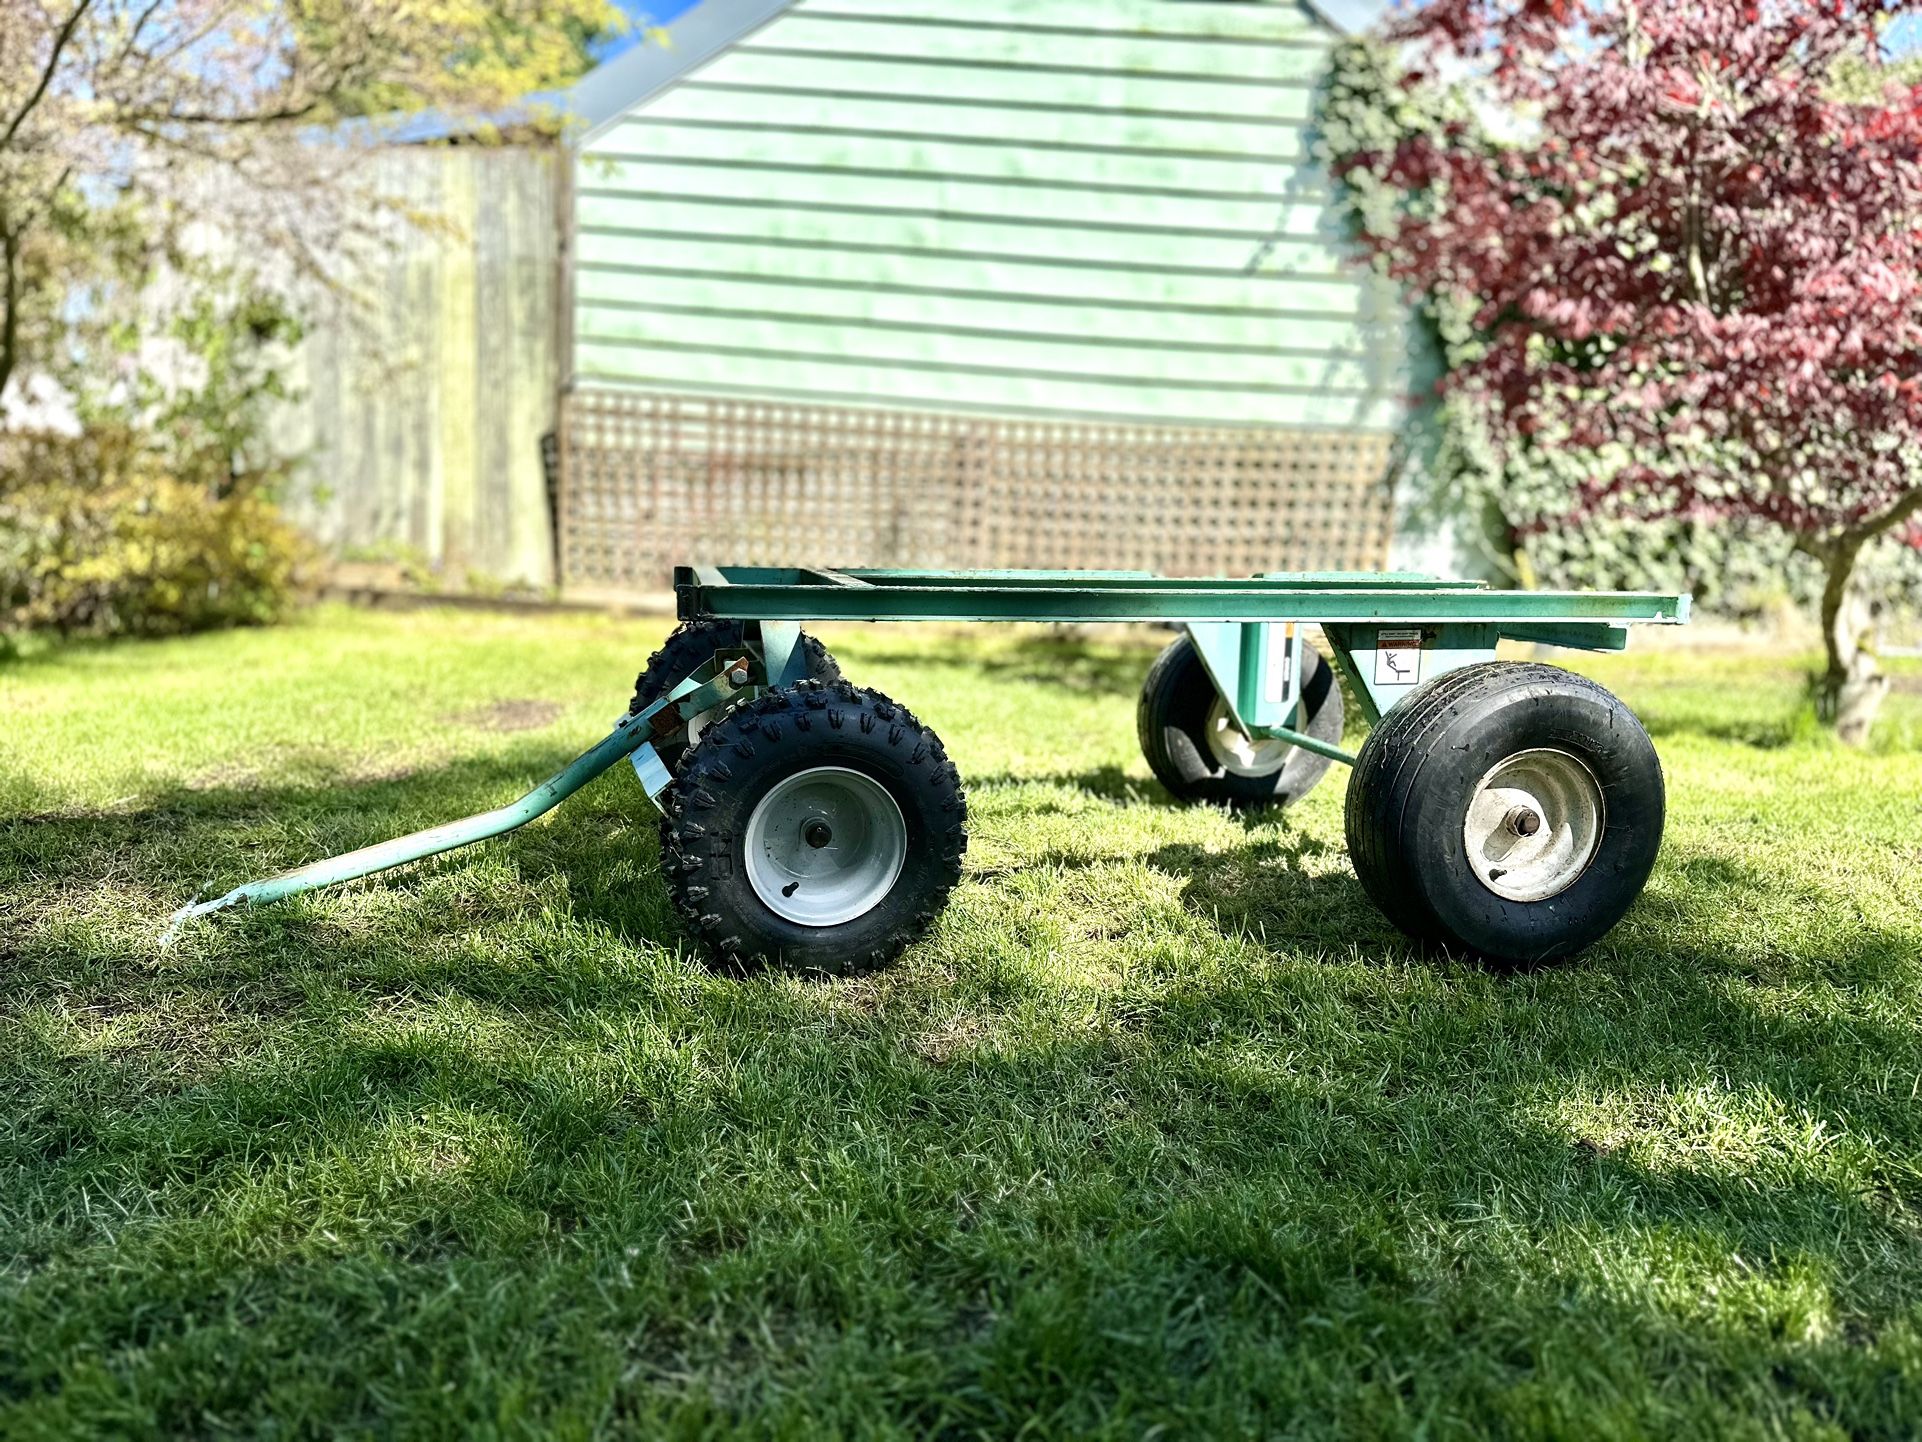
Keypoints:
(1238, 753)
(825, 845)
(1534, 823)
(1523, 822)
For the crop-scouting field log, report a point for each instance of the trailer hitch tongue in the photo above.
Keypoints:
(628, 736)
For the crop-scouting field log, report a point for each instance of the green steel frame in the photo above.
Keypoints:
(1388, 633)
(760, 593)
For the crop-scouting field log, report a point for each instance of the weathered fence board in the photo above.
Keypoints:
(424, 389)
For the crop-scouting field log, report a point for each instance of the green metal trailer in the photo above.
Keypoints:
(1507, 810)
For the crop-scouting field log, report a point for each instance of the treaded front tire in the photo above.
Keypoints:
(734, 827)
(1182, 734)
(693, 644)
(1509, 811)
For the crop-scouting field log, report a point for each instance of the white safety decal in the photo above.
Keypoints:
(1397, 658)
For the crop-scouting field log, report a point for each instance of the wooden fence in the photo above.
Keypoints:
(648, 481)
(423, 390)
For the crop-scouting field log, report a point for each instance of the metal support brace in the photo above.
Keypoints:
(1307, 743)
(633, 736)
(1385, 663)
(691, 699)
(781, 655)
(1256, 667)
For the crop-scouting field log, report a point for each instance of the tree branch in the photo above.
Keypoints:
(134, 33)
(1904, 507)
(207, 117)
(60, 43)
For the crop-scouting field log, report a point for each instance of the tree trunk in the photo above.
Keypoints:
(9, 310)
(1850, 691)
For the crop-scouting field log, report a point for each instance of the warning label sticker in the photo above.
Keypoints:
(1397, 658)
(1278, 687)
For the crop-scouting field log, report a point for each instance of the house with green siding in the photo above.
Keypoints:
(1087, 207)
(836, 219)
(914, 282)
(1096, 208)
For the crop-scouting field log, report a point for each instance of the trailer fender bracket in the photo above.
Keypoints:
(1256, 668)
(1384, 662)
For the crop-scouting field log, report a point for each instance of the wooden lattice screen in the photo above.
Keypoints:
(651, 481)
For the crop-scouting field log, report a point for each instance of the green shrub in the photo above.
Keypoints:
(99, 537)
(1512, 512)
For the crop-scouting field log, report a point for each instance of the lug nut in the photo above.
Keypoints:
(1523, 821)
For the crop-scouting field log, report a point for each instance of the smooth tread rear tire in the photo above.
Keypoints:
(1176, 713)
(1447, 756)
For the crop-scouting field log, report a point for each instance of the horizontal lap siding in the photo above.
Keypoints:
(1190, 21)
(1087, 207)
(850, 151)
(1027, 125)
(617, 296)
(947, 275)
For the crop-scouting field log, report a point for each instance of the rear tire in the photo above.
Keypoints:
(815, 827)
(1195, 751)
(1508, 811)
(694, 644)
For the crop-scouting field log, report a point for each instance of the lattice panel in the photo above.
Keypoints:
(652, 481)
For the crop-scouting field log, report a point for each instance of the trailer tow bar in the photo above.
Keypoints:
(633, 737)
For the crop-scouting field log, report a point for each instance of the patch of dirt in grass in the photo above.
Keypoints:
(1603, 1147)
(955, 1039)
(270, 765)
(374, 774)
(939, 1048)
(519, 715)
(225, 776)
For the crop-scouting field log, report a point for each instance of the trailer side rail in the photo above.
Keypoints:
(771, 594)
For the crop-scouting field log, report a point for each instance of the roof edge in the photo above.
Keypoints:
(639, 74)
(1349, 17)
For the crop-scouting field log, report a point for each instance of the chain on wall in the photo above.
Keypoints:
(649, 481)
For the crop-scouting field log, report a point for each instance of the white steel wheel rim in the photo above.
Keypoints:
(825, 845)
(1534, 823)
(1238, 753)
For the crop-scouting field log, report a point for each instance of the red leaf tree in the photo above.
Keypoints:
(1691, 258)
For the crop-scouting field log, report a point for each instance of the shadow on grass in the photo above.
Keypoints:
(1032, 658)
(1115, 783)
(180, 825)
(1108, 782)
(1759, 732)
(102, 883)
(1079, 1206)
(1262, 888)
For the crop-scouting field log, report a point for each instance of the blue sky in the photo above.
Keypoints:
(646, 12)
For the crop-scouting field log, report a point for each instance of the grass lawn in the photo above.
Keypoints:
(1164, 1132)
